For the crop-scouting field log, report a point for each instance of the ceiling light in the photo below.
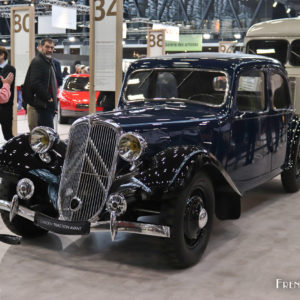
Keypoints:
(288, 10)
(72, 39)
(206, 36)
(3, 40)
(275, 4)
(237, 36)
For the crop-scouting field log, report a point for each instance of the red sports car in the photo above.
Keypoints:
(74, 98)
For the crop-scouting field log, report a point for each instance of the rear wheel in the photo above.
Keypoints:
(190, 217)
(291, 178)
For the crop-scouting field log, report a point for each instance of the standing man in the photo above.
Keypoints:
(6, 109)
(42, 84)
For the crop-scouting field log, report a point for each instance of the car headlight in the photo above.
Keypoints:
(42, 139)
(131, 146)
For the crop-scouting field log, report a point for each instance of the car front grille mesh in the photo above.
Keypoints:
(88, 170)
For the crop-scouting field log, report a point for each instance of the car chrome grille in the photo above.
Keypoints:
(88, 170)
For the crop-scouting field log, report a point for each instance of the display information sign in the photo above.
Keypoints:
(106, 46)
(227, 47)
(155, 42)
(187, 42)
(22, 47)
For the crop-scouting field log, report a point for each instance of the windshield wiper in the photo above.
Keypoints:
(142, 83)
(184, 79)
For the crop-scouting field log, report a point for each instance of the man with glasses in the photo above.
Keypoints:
(40, 86)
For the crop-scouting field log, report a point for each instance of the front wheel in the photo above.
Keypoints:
(291, 178)
(190, 217)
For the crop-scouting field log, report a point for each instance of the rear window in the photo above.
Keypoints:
(77, 84)
(203, 86)
(272, 48)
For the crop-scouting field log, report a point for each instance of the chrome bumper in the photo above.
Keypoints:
(113, 226)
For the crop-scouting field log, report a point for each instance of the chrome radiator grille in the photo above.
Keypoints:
(88, 170)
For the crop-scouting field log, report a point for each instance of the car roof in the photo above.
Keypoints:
(205, 60)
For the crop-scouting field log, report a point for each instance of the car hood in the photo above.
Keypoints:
(166, 125)
(157, 114)
(80, 96)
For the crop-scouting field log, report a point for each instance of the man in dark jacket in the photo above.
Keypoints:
(43, 84)
(6, 109)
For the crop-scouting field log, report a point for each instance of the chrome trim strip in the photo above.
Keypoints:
(133, 227)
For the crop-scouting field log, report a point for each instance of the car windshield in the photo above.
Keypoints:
(205, 86)
(76, 84)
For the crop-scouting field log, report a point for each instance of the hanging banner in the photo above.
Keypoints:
(105, 47)
(155, 43)
(22, 47)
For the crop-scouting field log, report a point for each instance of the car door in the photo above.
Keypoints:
(249, 156)
(280, 114)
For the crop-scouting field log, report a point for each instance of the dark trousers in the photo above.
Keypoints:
(45, 117)
(6, 121)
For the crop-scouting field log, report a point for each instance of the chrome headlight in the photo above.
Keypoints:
(131, 146)
(42, 139)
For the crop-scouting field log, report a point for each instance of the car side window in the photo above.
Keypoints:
(280, 94)
(251, 91)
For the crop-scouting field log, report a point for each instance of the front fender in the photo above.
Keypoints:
(172, 166)
(16, 156)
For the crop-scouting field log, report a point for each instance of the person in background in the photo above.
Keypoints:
(42, 83)
(65, 72)
(77, 69)
(57, 69)
(19, 97)
(82, 69)
(6, 109)
(5, 90)
(31, 111)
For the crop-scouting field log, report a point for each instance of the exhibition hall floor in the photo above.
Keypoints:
(244, 260)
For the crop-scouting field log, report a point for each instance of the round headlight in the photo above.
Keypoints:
(131, 146)
(42, 139)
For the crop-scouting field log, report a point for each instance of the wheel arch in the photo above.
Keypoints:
(227, 195)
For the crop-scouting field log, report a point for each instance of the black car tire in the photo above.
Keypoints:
(291, 178)
(22, 227)
(60, 118)
(187, 241)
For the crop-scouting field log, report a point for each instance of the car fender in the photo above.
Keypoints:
(16, 156)
(172, 167)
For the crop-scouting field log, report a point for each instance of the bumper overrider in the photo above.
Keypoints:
(82, 227)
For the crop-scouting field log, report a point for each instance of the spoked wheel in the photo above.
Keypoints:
(190, 217)
(291, 178)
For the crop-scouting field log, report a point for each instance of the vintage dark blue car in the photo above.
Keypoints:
(191, 134)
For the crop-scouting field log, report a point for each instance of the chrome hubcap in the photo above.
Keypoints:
(203, 218)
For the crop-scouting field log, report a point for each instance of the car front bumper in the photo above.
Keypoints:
(82, 227)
